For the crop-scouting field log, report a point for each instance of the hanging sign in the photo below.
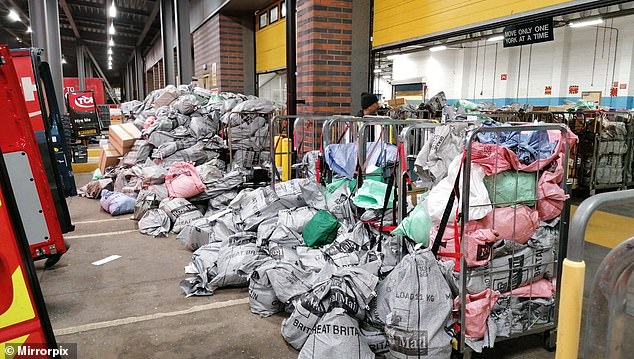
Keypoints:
(533, 32)
(623, 86)
(548, 90)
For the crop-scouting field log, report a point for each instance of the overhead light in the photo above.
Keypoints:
(586, 23)
(109, 57)
(17, 38)
(111, 29)
(438, 48)
(13, 16)
(377, 71)
(111, 42)
(110, 51)
(495, 38)
(63, 61)
(109, 67)
(29, 30)
(112, 12)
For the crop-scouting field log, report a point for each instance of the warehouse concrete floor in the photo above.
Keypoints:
(133, 307)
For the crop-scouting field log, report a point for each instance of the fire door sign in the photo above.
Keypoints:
(83, 113)
(548, 90)
(533, 32)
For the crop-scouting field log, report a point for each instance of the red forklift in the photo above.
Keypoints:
(42, 200)
(27, 217)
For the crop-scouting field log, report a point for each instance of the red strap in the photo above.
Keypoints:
(401, 154)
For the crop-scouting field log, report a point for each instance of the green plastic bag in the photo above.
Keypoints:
(511, 187)
(336, 183)
(416, 226)
(320, 230)
(97, 175)
(371, 195)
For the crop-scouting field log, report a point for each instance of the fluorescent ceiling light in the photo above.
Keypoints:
(110, 67)
(63, 61)
(13, 16)
(438, 48)
(110, 51)
(109, 57)
(586, 23)
(111, 42)
(29, 30)
(112, 12)
(377, 71)
(495, 38)
(111, 29)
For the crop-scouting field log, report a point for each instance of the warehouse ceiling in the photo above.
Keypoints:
(137, 24)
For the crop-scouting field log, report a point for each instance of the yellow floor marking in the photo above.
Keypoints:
(607, 229)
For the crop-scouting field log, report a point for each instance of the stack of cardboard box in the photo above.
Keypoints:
(121, 138)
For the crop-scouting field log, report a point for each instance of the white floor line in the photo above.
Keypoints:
(144, 318)
(104, 220)
(101, 234)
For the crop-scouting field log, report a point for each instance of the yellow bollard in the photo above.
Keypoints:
(283, 156)
(570, 304)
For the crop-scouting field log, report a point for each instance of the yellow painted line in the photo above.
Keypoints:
(85, 167)
(94, 152)
(607, 229)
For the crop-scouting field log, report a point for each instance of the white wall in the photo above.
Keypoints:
(473, 72)
(272, 87)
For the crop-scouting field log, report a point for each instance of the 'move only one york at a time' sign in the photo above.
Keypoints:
(529, 33)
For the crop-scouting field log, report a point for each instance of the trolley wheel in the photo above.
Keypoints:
(52, 260)
(550, 340)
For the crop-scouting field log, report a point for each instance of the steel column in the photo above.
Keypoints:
(167, 33)
(38, 25)
(81, 67)
(291, 57)
(183, 41)
(140, 70)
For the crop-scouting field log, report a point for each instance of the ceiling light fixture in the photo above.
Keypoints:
(112, 12)
(438, 48)
(29, 30)
(495, 38)
(109, 51)
(13, 15)
(63, 61)
(111, 29)
(110, 67)
(109, 57)
(586, 23)
(111, 42)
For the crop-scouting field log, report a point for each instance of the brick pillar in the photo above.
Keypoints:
(219, 41)
(324, 53)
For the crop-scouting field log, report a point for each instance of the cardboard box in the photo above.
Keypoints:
(122, 137)
(561, 108)
(397, 102)
(108, 157)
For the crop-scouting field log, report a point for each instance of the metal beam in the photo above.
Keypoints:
(96, 42)
(69, 17)
(149, 21)
(81, 69)
(38, 25)
(167, 31)
(101, 74)
(183, 41)
(54, 48)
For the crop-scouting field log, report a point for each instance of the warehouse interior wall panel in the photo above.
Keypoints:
(572, 59)
(400, 20)
(270, 47)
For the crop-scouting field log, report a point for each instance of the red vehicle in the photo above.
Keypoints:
(71, 84)
(41, 204)
(23, 316)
